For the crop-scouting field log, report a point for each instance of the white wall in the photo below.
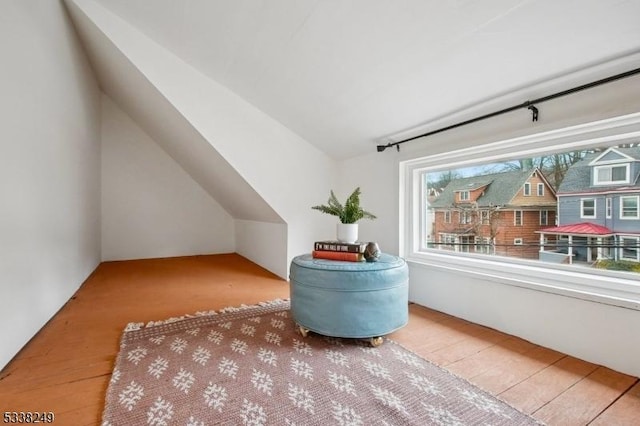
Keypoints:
(286, 175)
(150, 206)
(376, 175)
(595, 332)
(49, 168)
(272, 246)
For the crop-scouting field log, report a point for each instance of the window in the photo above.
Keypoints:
(447, 216)
(588, 208)
(465, 243)
(517, 241)
(615, 174)
(629, 207)
(484, 217)
(517, 217)
(483, 245)
(465, 217)
(629, 249)
(527, 189)
(464, 195)
(448, 241)
(541, 190)
(609, 207)
(574, 144)
(544, 217)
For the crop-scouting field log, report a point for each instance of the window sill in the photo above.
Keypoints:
(615, 289)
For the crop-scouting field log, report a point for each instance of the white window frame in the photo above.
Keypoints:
(517, 241)
(526, 191)
(515, 218)
(636, 241)
(540, 190)
(484, 217)
(465, 217)
(464, 195)
(637, 216)
(596, 170)
(483, 245)
(447, 216)
(447, 242)
(544, 213)
(610, 287)
(595, 208)
(609, 207)
(465, 244)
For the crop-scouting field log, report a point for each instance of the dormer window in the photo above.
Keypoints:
(613, 174)
(464, 195)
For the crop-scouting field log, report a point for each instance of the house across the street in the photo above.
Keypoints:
(494, 214)
(598, 209)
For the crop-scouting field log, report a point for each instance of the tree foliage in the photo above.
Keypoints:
(553, 166)
(444, 178)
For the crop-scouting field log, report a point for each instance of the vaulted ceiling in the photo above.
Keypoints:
(348, 74)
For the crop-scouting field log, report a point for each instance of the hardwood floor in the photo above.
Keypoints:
(66, 367)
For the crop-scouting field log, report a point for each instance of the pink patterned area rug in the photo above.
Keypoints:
(249, 366)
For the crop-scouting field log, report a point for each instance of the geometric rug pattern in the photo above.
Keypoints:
(250, 366)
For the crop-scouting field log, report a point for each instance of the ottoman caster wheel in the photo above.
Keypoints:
(376, 341)
(303, 331)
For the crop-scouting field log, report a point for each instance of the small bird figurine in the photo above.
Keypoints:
(372, 252)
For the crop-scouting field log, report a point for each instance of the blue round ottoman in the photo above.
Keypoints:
(349, 299)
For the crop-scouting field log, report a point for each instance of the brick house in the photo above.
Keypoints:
(494, 214)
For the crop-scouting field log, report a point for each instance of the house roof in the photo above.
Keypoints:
(583, 228)
(500, 188)
(578, 177)
(614, 154)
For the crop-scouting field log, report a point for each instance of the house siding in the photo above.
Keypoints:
(505, 232)
(635, 171)
(527, 232)
(547, 199)
(569, 212)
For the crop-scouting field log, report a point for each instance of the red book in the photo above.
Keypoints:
(338, 255)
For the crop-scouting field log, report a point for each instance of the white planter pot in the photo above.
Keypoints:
(347, 232)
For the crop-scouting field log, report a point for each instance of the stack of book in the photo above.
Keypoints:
(336, 250)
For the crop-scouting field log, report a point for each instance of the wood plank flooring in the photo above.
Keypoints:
(66, 367)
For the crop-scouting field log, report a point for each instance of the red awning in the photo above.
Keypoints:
(584, 228)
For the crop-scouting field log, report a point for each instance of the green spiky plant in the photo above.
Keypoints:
(350, 212)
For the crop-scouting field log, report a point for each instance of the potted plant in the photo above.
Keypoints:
(349, 214)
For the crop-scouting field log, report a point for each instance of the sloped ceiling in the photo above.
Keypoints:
(127, 85)
(347, 75)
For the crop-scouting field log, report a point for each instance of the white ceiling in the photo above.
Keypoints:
(349, 74)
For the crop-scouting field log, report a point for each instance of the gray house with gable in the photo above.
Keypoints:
(599, 207)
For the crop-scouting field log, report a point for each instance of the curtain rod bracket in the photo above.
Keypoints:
(381, 148)
(534, 112)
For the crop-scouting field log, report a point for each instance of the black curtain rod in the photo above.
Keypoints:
(530, 105)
